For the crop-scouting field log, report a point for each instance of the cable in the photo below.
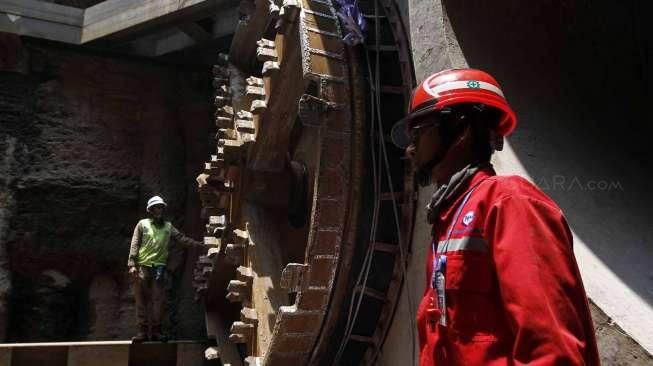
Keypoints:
(367, 262)
(402, 255)
(378, 162)
(361, 280)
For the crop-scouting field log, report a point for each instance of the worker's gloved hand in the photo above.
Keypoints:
(133, 272)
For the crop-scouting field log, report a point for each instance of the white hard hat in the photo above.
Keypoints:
(156, 200)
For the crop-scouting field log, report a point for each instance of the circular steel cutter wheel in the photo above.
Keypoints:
(288, 193)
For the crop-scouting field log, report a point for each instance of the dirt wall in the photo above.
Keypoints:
(85, 140)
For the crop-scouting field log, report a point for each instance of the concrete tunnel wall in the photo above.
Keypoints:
(576, 74)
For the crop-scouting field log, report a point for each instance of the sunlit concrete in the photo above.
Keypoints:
(110, 18)
(573, 75)
(41, 20)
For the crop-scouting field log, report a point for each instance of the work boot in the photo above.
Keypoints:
(141, 336)
(157, 336)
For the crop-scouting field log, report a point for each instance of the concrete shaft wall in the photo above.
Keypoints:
(576, 75)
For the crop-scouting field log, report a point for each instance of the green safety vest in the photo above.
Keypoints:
(153, 250)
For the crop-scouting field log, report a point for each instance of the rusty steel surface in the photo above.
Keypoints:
(282, 195)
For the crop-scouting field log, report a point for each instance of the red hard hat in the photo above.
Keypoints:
(455, 86)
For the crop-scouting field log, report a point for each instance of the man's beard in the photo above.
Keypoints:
(424, 173)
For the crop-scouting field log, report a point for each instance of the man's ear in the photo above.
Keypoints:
(465, 138)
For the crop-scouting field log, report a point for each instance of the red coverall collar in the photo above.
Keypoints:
(480, 176)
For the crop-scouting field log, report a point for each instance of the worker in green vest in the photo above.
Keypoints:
(148, 255)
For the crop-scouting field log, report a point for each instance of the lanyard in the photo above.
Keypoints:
(440, 263)
(436, 260)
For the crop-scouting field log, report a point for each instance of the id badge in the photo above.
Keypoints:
(439, 286)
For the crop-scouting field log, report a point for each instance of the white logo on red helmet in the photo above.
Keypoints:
(436, 90)
(427, 87)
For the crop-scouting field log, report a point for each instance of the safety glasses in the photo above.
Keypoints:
(403, 136)
(406, 131)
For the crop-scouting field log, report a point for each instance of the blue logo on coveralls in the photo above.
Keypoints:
(468, 218)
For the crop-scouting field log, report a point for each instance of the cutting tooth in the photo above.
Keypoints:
(215, 163)
(273, 10)
(237, 291)
(242, 114)
(226, 133)
(253, 361)
(245, 122)
(270, 68)
(223, 90)
(224, 117)
(241, 332)
(230, 150)
(245, 126)
(216, 184)
(258, 106)
(254, 81)
(212, 353)
(255, 92)
(266, 50)
(236, 246)
(221, 100)
(287, 15)
(263, 42)
(244, 331)
(201, 275)
(240, 289)
(248, 315)
(211, 241)
(241, 237)
(213, 252)
(217, 226)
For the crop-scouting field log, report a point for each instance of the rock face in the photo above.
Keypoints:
(85, 140)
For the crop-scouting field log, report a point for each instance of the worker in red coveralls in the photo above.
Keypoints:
(503, 286)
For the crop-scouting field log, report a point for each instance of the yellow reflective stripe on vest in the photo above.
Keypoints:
(472, 243)
(154, 243)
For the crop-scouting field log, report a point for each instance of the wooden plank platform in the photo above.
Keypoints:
(106, 353)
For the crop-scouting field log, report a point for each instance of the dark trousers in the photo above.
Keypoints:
(149, 294)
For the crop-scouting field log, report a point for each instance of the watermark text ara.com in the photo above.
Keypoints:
(564, 183)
